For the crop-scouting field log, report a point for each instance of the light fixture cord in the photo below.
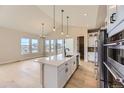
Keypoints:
(54, 16)
(67, 24)
(62, 20)
(42, 29)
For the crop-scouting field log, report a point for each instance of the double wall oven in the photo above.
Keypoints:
(114, 64)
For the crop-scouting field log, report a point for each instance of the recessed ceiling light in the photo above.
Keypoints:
(85, 14)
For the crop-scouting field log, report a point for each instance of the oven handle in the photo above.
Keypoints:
(120, 42)
(96, 42)
(117, 78)
(111, 44)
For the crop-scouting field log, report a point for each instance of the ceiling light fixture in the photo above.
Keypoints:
(85, 14)
(62, 33)
(54, 28)
(67, 34)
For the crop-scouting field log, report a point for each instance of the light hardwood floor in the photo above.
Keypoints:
(84, 77)
(26, 74)
(23, 74)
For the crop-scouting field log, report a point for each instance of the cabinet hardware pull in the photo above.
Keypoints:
(66, 64)
(74, 62)
(66, 70)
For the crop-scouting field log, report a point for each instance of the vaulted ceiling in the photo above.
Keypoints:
(29, 18)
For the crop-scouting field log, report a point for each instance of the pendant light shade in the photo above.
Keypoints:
(67, 34)
(54, 26)
(62, 32)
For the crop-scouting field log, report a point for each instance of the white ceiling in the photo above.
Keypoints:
(29, 18)
(76, 14)
(24, 18)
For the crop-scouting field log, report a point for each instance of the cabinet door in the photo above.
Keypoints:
(62, 77)
(111, 14)
(68, 69)
(73, 66)
(120, 12)
(91, 41)
(91, 56)
(115, 28)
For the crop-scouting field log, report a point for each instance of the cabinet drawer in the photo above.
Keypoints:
(61, 67)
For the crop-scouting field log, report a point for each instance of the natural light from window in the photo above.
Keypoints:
(25, 46)
(34, 45)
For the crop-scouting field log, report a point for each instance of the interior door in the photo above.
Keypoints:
(81, 46)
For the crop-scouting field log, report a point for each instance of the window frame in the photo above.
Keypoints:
(37, 45)
(54, 46)
(25, 44)
(46, 46)
(62, 46)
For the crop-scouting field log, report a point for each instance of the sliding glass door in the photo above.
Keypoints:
(60, 46)
(47, 47)
(52, 47)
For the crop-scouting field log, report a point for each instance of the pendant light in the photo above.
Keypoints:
(67, 34)
(54, 26)
(62, 33)
(43, 36)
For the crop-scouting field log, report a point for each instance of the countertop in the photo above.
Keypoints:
(55, 60)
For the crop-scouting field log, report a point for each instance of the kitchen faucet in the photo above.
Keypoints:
(65, 52)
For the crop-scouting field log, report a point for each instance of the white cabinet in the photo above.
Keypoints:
(114, 27)
(57, 76)
(92, 56)
(92, 45)
(120, 12)
(111, 9)
(74, 64)
(92, 37)
(62, 77)
(66, 72)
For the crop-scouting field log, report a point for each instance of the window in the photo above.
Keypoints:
(25, 46)
(47, 46)
(60, 46)
(52, 45)
(35, 45)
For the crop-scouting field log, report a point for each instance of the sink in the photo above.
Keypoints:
(68, 55)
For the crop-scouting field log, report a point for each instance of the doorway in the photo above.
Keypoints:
(81, 46)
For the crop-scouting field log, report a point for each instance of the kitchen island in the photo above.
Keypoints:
(56, 70)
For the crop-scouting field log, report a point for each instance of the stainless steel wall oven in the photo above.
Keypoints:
(115, 60)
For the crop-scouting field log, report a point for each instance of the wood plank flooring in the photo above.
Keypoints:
(26, 74)
(84, 77)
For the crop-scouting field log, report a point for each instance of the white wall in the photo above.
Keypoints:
(10, 50)
(74, 32)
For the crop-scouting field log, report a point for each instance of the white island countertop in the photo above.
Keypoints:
(55, 60)
(62, 67)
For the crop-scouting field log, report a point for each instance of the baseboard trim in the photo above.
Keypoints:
(14, 61)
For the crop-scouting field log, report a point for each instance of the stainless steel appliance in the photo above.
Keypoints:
(115, 60)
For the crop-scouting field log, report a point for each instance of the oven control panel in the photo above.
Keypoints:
(116, 38)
